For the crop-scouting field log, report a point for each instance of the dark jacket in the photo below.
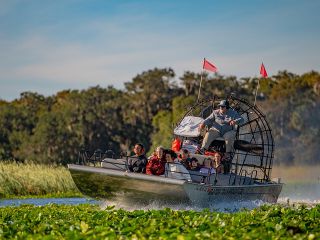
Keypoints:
(185, 163)
(197, 168)
(137, 164)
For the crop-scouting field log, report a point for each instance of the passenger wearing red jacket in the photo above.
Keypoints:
(156, 163)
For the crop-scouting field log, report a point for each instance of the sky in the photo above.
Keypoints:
(49, 46)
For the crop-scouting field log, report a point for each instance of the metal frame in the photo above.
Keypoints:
(255, 130)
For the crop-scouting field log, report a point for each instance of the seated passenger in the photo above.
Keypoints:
(207, 167)
(194, 165)
(174, 169)
(217, 162)
(184, 158)
(137, 163)
(156, 163)
(221, 123)
(226, 163)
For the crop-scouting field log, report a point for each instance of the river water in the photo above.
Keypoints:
(45, 201)
(306, 193)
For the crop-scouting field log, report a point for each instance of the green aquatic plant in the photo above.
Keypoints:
(91, 222)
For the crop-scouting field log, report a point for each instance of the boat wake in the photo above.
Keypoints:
(155, 205)
(226, 207)
(292, 194)
(307, 201)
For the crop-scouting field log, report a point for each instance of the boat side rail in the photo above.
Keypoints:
(232, 177)
(85, 157)
(196, 176)
(97, 159)
(211, 176)
(244, 178)
(115, 164)
(253, 175)
(102, 159)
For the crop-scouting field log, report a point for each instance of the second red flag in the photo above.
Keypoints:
(263, 71)
(209, 66)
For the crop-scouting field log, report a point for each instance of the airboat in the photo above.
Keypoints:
(247, 178)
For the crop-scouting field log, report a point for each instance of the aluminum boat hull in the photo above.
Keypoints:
(114, 185)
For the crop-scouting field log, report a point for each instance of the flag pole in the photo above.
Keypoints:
(208, 66)
(264, 74)
(255, 97)
(200, 87)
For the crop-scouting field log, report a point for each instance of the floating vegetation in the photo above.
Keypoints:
(89, 221)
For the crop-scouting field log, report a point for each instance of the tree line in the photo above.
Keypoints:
(51, 130)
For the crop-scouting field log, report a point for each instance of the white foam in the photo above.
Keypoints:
(154, 205)
(308, 194)
(288, 200)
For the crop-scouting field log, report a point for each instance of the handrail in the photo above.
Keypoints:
(98, 156)
(243, 177)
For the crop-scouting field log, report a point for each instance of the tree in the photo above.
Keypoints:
(151, 92)
(164, 121)
(53, 129)
(162, 124)
(191, 82)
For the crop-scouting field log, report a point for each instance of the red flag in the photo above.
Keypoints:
(209, 66)
(263, 71)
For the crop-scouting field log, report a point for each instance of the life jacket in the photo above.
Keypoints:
(209, 153)
(176, 145)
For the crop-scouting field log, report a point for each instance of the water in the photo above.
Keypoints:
(293, 193)
(308, 193)
(45, 201)
(302, 183)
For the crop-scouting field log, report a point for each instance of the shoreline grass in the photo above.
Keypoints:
(34, 180)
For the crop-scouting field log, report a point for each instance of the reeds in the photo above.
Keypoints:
(32, 179)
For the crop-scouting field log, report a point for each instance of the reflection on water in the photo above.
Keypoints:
(45, 201)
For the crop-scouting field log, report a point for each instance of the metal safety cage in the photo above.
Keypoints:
(254, 145)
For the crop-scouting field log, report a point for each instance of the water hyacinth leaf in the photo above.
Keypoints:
(278, 227)
(84, 227)
(75, 222)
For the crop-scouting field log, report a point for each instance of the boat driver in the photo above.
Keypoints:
(221, 123)
(137, 163)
